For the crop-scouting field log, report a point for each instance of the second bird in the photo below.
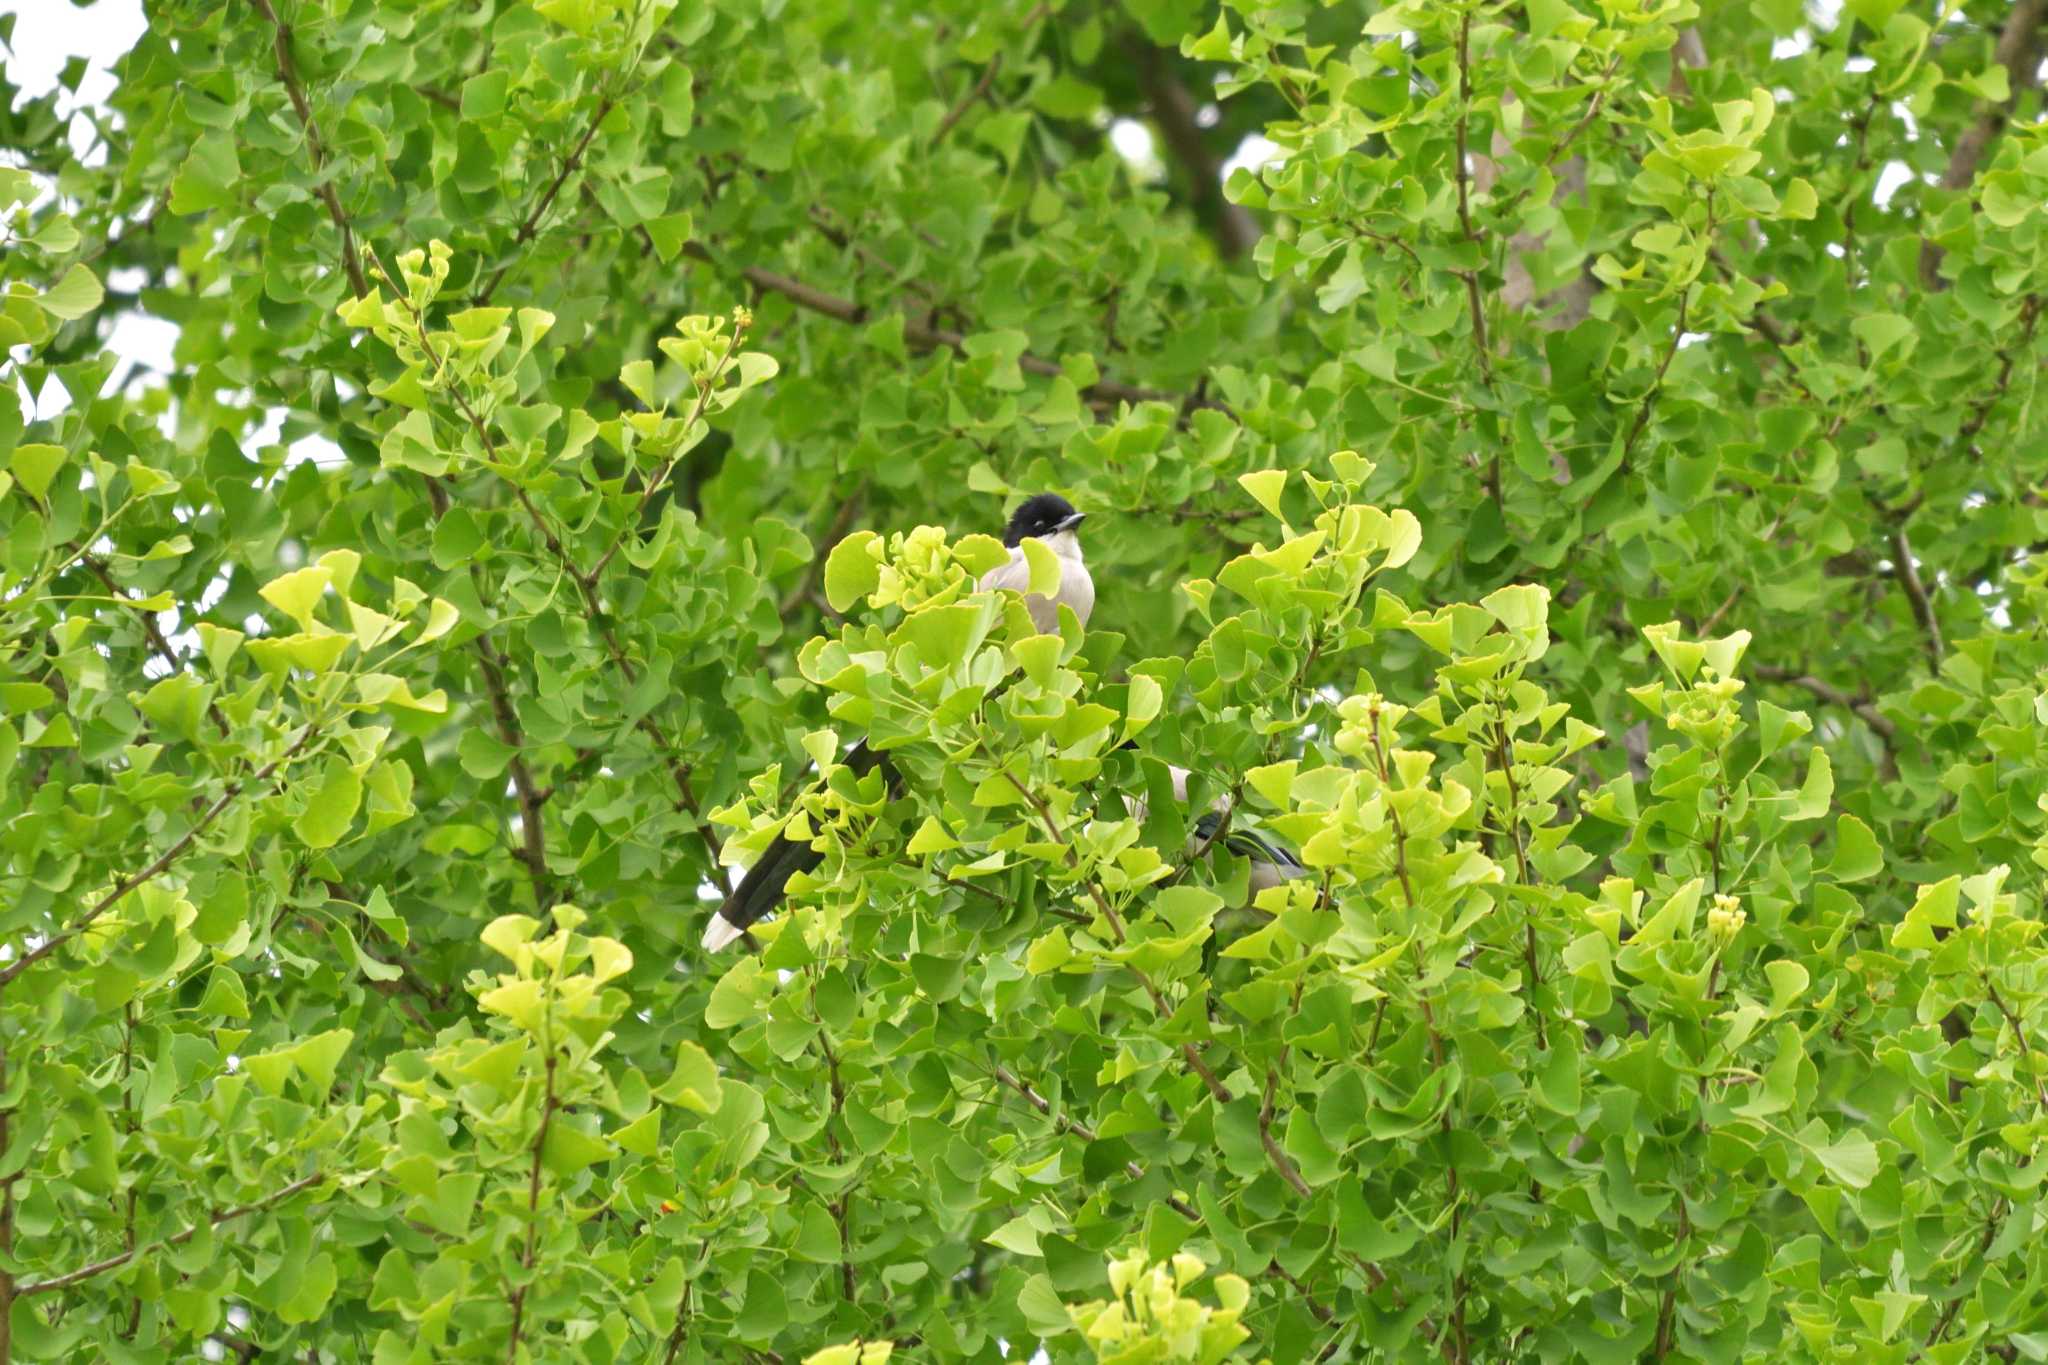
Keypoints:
(1044, 516)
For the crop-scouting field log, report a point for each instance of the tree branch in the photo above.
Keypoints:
(531, 226)
(923, 335)
(833, 535)
(1274, 1154)
(163, 860)
(1649, 404)
(540, 1142)
(84, 1273)
(1217, 1091)
(1173, 110)
(686, 796)
(288, 72)
(1834, 696)
(157, 641)
(1086, 1134)
(967, 101)
(705, 390)
(1908, 575)
(1980, 412)
(533, 839)
(2014, 52)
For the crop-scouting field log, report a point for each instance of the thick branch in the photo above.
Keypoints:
(1834, 696)
(2015, 52)
(533, 839)
(288, 72)
(163, 860)
(178, 1239)
(923, 335)
(1908, 574)
(1174, 110)
(1274, 1153)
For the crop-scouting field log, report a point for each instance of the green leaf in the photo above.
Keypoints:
(1265, 486)
(1857, 855)
(308, 1300)
(852, 570)
(331, 802)
(1818, 791)
(74, 296)
(1934, 908)
(733, 999)
(694, 1083)
(35, 464)
(1850, 1159)
(297, 593)
(209, 176)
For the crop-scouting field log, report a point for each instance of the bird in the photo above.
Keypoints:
(1271, 862)
(1043, 516)
(1050, 518)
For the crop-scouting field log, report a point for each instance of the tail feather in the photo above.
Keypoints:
(760, 890)
(1251, 845)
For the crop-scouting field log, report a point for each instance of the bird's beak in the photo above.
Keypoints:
(1072, 523)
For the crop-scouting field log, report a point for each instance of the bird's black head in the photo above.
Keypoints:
(1041, 515)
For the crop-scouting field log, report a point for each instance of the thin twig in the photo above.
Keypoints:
(1504, 755)
(1563, 144)
(967, 101)
(1086, 1134)
(1475, 303)
(163, 860)
(1980, 412)
(531, 225)
(686, 796)
(2020, 1036)
(1955, 1305)
(1649, 403)
(540, 1142)
(1116, 927)
(706, 389)
(1274, 1153)
(157, 641)
(288, 72)
(533, 839)
(84, 1273)
(833, 534)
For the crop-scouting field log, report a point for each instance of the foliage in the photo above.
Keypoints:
(1582, 492)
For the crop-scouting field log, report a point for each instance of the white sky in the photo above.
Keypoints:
(48, 33)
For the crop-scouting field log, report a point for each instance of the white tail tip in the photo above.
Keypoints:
(720, 934)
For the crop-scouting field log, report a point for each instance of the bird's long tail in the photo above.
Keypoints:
(1253, 846)
(760, 891)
